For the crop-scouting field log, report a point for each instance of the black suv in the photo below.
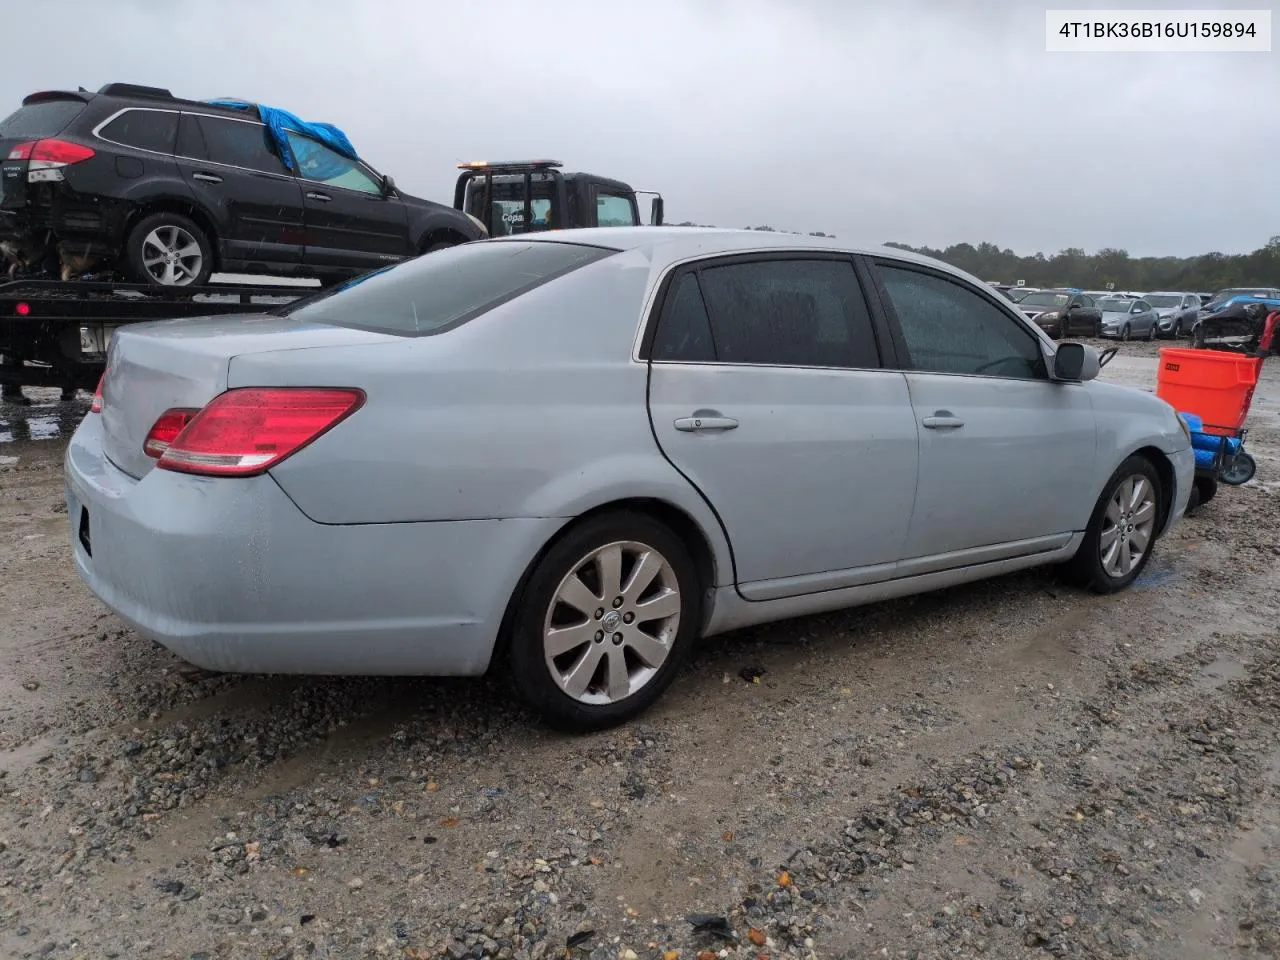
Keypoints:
(169, 190)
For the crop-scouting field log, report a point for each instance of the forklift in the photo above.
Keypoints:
(530, 196)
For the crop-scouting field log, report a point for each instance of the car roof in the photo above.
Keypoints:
(672, 244)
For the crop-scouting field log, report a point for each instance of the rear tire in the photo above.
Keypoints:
(1151, 334)
(654, 642)
(168, 245)
(1126, 517)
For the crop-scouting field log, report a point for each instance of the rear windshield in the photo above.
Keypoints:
(47, 119)
(438, 291)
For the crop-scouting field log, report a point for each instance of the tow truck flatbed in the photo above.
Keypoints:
(55, 333)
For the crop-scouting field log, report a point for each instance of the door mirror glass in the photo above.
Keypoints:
(1075, 362)
(655, 212)
(388, 185)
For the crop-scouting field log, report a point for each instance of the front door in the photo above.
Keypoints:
(235, 173)
(1006, 454)
(351, 223)
(767, 392)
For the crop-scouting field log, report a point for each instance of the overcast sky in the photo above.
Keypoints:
(922, 122)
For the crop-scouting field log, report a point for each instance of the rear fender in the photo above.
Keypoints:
(632, 477)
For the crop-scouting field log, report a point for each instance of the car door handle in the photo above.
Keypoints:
(206, 177)
(942, 420)
(697, 424)
(324, 197)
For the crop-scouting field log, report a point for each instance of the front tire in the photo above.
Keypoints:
(1122, 530)
(605, 621)
(1124, 334)
(168, 250)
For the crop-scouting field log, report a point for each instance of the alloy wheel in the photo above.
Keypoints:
(171, 256)
(612, 622)
(1128, 526)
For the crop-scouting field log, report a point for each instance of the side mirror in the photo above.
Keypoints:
(1075, 362)
(388, 185)
(655, 212)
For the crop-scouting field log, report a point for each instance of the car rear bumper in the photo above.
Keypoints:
(230, 575)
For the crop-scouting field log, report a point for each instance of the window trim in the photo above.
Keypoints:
(373, 174)
(97, 131)
(287, 175)
(905, 362)
(652, 316)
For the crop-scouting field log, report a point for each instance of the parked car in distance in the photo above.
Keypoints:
(1176, 312)
(1062, 313)
(576, 452)
(1125, 318)
(171, 190)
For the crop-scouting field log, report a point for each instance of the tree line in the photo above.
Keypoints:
(1073, 267)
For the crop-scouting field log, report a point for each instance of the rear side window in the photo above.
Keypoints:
(47, 119)
(153, 130)
(791, 312)
(684, 329)
(235, 143)
(443, 290)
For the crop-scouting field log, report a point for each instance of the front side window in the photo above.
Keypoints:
(950, 329)
(614, 211)
(435, 293)
(234, 143)
(153, 130)
(323, 165)
(789, 312)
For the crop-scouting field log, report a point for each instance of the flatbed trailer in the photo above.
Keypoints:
(56, 334)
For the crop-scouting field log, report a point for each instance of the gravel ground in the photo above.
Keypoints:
(1012, 769)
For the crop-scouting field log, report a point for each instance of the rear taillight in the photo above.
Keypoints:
(248, 430)
(96, 406)
(46, 158)
(166, 430)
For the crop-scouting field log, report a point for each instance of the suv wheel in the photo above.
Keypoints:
(168, 250)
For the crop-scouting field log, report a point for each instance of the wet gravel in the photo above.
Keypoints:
(1012, 769)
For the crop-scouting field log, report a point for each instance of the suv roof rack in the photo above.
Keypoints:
(134, 90)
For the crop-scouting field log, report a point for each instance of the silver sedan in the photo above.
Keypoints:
(572, 455)
(1124, 318)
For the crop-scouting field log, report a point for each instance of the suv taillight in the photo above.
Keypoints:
(248, 430)
(46, 158)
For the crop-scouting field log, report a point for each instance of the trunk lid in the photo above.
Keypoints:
(154, 367)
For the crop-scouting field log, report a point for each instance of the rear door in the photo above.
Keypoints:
(236, 175)
(767, 392)
(351, 222)
(1006, 454)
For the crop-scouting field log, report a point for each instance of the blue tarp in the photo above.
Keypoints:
(1207, 445)
(319, 165)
